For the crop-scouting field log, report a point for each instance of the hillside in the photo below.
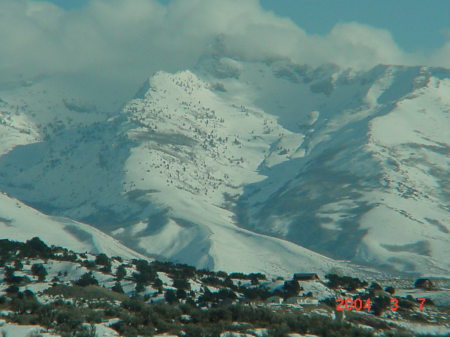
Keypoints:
(53, 291)
(23, 223)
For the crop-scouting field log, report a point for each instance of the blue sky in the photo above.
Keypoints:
(414, 24)
(114, 45)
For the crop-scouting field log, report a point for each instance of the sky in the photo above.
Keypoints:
(414, 24)
(114, 45)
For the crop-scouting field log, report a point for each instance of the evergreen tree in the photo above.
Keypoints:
(36, 248)
(181, 283)
(170, 296)
(380, 304)
(145, 274)
(157, 283)
(181, 293)
(291, 288)
(102, 260)
(18, 265)
(117, 288)
(121, 272)
(39, 270)
(87, 279)
(11, 278)
(390, 290)
(140, 287)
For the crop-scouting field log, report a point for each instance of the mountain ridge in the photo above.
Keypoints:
(194, 168)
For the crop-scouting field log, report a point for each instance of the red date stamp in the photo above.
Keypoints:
(357, 304)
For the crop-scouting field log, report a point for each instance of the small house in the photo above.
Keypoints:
(245, 301)
(300, 300)
(293, 300)
(339, 315)
(274, 300)
(382, 293)
(251, 302)
(423, 283)
(306, 277)
(227, 302)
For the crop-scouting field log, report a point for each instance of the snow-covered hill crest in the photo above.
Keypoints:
(21, 222)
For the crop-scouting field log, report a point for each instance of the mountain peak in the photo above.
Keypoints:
(209, 166)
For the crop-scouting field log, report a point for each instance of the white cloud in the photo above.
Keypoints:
(358, 45)
(442, 56)
(120, 42)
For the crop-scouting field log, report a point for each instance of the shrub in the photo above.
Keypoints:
(134, 305)
(11, 278)
(140, 287)
(290, 288)
(117, 288)
(346, 282)
(170, 296)
(405, 303)
(86, 279)
(103, 260)
(181, 284)
(22, 304)
(212, 280)
(380, 304)
(36, 248)
(89, 264)
(194, 331)
(157, 283)
(121, 272)
(390, 290)
(18, 265)
(39, 270)
(181, 294)
(375, 286)
(13, 289)
(146, 273)
(279, 331)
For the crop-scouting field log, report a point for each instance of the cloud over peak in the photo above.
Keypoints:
(127, 40)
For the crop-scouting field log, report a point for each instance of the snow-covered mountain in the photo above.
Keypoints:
(240, 165)
(158, 190)
(373, 183)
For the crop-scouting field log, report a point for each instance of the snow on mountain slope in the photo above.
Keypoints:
(11, 329)
(33, 110)
(238, 166)
(15, 127)
(373, 183)
(21, 222)
(162, 176)
(19, 132)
